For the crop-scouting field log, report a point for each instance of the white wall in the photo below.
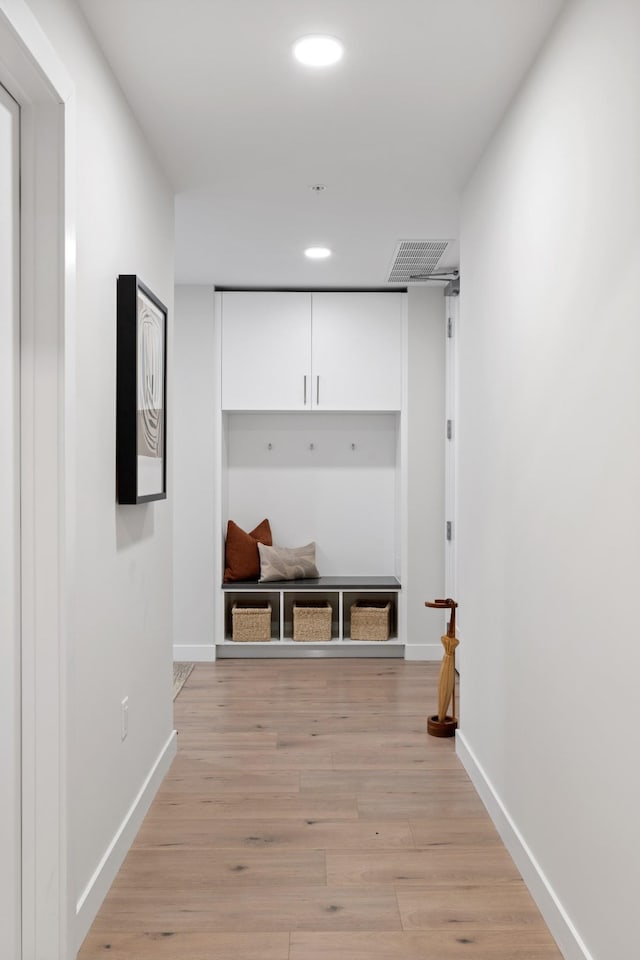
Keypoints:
(425, 432)
(549, 474)
(196, 381)
(120, 606)
(339, 497)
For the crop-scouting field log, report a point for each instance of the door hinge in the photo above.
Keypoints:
(449, 530)
(449, 429)
(450, 328)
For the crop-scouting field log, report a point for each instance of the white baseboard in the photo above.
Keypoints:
(423, 651)
(304, 651)
(196, 652)
(555, 916)
(96, 890)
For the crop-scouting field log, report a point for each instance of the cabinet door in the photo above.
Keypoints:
(357, 351)
(266, 349)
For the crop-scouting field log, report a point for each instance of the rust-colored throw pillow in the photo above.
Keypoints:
(242, 560)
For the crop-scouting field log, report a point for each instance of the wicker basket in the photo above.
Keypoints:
(370, 619)
(251, 623)
(312, 621)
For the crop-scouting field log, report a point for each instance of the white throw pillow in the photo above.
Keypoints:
(287, 563)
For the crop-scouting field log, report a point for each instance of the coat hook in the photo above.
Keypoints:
(312, 446)
(353, 446)
(269, 446)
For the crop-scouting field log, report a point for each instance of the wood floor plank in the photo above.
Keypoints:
(203, 737)
(414, 806)
(281, 759)
(168, 945)
(371, 758)
(397, 740)
(183, 782)
(360, 720)
(190, 834)
(363, 783)
(441, 865)
(485, 906)
(309, 816)
(268, 807)
(229, 868)
(436, 945)
(449, 831)
(278, 909)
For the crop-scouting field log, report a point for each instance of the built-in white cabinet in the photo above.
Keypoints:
(356, 347)
(311, 351)
(266, 349)
(311, 436)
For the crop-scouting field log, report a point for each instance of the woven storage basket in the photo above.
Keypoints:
(251, 624)
(370, 619)
(312, 621)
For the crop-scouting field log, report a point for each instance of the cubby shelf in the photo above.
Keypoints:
(340, 592)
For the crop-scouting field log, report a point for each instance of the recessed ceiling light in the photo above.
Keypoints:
(317, 51)
(317, 253)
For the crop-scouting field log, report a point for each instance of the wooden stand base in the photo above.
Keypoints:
(442, 728)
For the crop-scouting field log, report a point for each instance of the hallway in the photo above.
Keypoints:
(308, 816)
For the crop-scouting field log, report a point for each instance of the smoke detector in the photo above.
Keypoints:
(415, 261)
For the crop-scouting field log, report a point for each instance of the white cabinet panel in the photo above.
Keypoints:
(324, 351)
(266, 351)
(356, 350)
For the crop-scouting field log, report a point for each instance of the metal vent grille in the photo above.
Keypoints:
(414, 260)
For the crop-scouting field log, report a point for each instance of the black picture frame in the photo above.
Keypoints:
(141, 402)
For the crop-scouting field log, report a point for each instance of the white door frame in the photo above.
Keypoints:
(32, 72)
(10, 634)
(451, 446)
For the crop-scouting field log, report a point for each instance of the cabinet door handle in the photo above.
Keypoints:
(305, 390)
(318, 391)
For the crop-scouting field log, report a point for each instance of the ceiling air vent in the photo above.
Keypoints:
(415, 260)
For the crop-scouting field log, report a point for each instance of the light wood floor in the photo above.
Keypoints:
(308, 816)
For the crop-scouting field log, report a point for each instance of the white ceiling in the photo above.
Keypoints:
(242, 130)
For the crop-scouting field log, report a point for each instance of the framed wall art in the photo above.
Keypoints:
(141, 418)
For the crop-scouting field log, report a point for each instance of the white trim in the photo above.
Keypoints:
(68, 500)
(27, 40)
(549, 904)
(308, 651)
(35, 76)
(219, 420)
(451, 446)
(106, 871)
(452, 314)
(199, 652)
(402, 491)
(423, 651)
(10, 627)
